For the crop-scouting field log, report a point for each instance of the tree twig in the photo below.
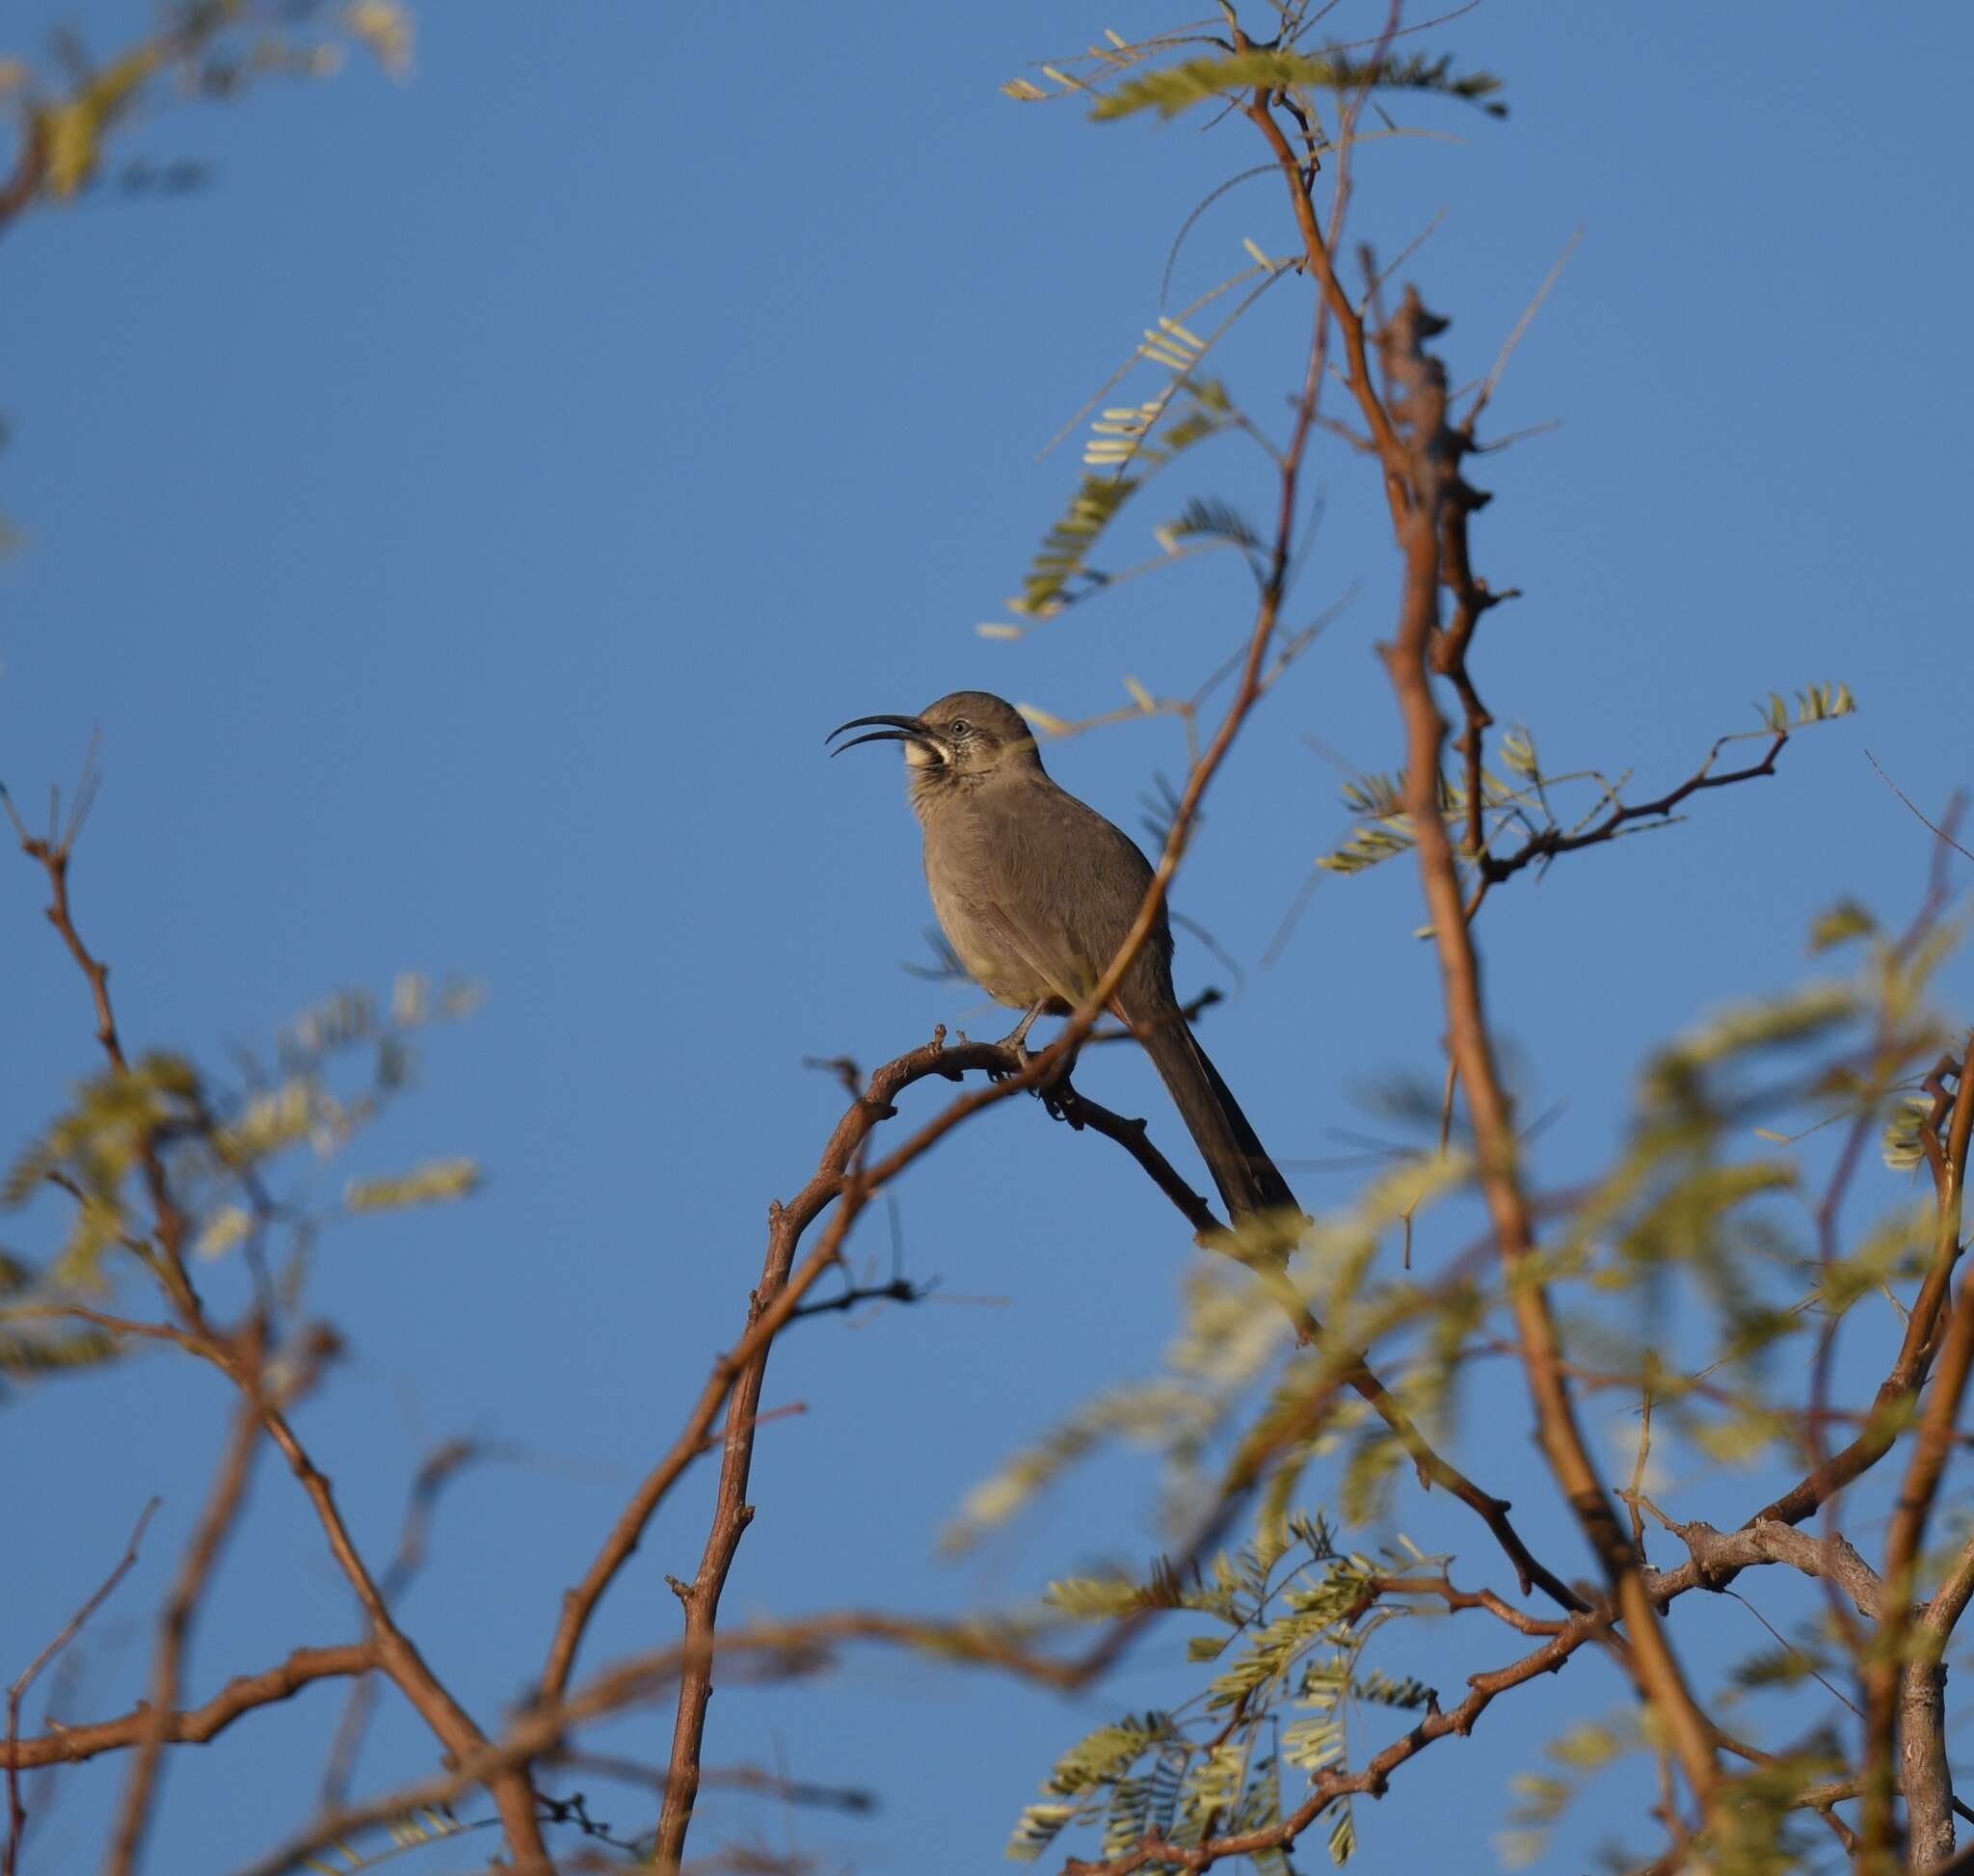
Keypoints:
(16, 1809)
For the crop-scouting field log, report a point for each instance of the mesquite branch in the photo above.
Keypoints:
(1420, 454)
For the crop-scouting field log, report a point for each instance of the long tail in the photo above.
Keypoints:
(1249, 1183)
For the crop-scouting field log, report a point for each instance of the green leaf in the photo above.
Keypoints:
(1154, 1412)
(1823, 701)
(1343, 1835)
(225, 1229)
(1839, 924)
(385, 28)
(1313, 1744)
(1065, 547)
(1518, 752)
(1177, 88)
(435, 1182)
(1366, 848)
(1210, 519)
(1405, 1692)
(35, 1351)
(1903, 1144)
(1100, 1599)
(1038, 1827)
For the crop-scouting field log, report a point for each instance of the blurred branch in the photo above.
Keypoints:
(755, 1779)
(240, 1355)
(210, 48)
(30, 170)
(1932, 1444)
(174, 1631)
(441, 1467)
(16, 1809)
(1917, 1347)
(780, 1648)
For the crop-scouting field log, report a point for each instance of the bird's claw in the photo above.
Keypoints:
(1059, 1101)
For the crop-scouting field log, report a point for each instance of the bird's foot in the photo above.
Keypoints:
(1054, 1092)
(1059, 1099)
(1016, 1043)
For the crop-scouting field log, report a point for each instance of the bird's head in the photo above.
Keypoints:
(971, 732)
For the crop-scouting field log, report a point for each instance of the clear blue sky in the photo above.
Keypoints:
(464, 518)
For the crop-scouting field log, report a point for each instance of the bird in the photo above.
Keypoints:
(1036, 893)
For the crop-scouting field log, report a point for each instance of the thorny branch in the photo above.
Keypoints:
(1430, 504)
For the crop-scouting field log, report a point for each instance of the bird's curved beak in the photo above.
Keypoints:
(900, 728)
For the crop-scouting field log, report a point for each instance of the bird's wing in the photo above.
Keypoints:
(1044, 947)
(1061, 884)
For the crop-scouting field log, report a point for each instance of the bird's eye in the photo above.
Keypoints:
(960, 727)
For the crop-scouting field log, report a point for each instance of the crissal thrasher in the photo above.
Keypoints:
(1036, 893)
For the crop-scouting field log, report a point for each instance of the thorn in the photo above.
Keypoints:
(682, 1591)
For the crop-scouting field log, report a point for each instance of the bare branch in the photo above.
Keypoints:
(239, 1355)
(174, 1631)
(782, 1648)
(754, 1778)
(444, 1463)
(17, 1810)
(1429, 510)
(196, 1726)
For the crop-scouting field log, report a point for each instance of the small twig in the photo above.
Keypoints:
(728, 1778)
(1939, 833)
(898, 1289)
(16, 1809)
(1549, 843)
(1521, 325)
(1637, 1471)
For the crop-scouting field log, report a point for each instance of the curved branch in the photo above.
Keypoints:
(194, 1726)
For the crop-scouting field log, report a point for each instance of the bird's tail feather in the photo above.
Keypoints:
(1247, 1178)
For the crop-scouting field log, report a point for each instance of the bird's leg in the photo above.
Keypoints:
(1017, 1038)
(1057, 1095)
(1016, 1042)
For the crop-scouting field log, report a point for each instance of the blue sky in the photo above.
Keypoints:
(462, 518)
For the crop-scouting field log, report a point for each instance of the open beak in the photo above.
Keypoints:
(900, 728)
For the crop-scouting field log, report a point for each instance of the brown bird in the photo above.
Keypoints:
(1037, 893)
